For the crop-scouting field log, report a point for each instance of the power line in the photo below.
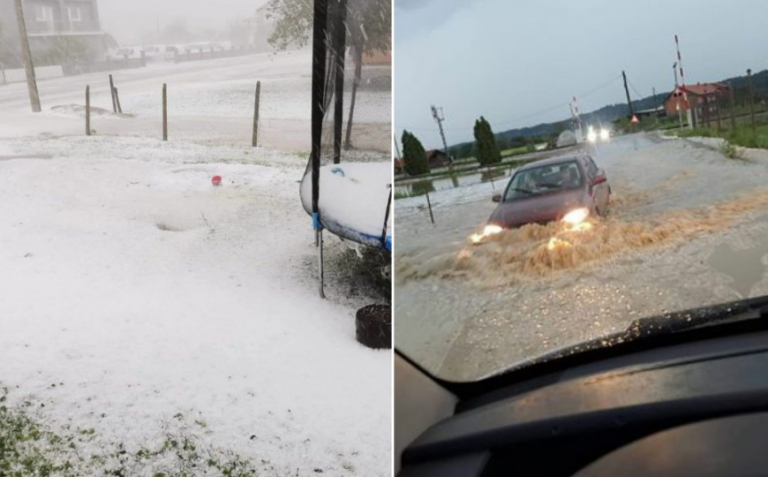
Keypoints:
(634, 90)
(504, 124)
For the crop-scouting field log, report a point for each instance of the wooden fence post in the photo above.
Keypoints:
(112, 91)
(88, 110)
(718, 104)
(165, 113)
(256, 115)
(117, 100)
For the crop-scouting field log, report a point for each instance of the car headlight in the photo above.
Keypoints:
(591, 136)
(605, 134)
(488, 230)
(576, 216)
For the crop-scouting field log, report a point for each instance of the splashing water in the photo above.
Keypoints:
(535, 251)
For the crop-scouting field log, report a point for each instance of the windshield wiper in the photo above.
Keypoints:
(549, 186)
(524, 191)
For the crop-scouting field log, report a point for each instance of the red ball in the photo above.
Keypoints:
(216, 180)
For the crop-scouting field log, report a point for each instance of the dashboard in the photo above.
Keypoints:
(693, 408)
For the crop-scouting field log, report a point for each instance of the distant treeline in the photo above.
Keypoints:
(546, 132)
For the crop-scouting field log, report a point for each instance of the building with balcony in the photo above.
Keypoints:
(63, 30)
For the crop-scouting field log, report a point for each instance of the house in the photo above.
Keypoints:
(659, 112)
(437, 158)
(702, 99)
(56, 25)
(399, 166)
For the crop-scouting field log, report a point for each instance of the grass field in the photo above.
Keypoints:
(743, 135)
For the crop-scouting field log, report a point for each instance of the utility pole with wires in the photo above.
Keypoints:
(34, 97)
(437, 113)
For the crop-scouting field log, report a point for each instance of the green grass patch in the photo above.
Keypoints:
(743, 135)
(28, 447)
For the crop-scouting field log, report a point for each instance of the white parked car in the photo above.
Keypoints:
(125, 53)
(172, 50)
(155, 52)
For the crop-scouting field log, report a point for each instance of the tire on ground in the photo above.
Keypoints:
(373, 324)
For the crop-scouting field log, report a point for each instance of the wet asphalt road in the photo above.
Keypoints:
(462, 331)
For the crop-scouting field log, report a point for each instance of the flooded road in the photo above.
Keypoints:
(686, 228)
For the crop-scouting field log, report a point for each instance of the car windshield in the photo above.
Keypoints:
(495, 266)
(544, 180)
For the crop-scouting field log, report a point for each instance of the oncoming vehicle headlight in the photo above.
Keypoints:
(576, 216)
(605, 134)
(591, 136)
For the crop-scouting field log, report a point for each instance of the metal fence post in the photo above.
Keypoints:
(429, 204)
(751, 99)
(733, 107)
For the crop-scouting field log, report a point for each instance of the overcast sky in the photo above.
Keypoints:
(511, 61)
(126, 20)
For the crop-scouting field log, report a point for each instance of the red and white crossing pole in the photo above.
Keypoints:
(682, 82)
(575, 110)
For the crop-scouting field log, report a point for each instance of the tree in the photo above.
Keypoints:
(487, 151)
(414, 156)
(369, 30)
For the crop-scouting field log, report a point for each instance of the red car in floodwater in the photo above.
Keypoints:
(563, 188)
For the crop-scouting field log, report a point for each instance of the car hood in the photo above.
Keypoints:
(538, 209)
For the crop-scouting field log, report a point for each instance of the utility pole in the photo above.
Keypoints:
(626, 90)
(397, 148)
(438, 115)
(655, 106)
(34, 97)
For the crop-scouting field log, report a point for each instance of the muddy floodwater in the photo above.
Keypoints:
(686, 228)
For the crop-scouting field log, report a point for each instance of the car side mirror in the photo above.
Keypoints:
(599, 180)
(496, 198)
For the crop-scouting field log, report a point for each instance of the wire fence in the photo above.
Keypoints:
(222, 112)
